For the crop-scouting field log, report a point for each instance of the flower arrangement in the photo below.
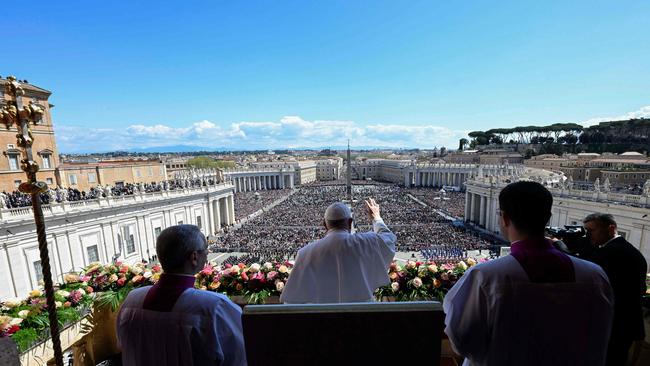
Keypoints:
(255, 282)
(422, 280)
(26, 320)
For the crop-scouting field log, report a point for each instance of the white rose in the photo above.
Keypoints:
(147, 274)
(23, 314)
(471, 261)
(254, 268)
(235, 269)
(417, 282)
(283, 269)
(432, 268)
(422, 271)
(12, 302)
(279, 286)
(462, 265)
(58, 304)
(268, 266)
(16, 321)
(63, 293)
(394, 286)
(81, 291)
(410, 264)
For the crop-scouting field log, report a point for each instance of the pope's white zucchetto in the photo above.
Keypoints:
(338, 211)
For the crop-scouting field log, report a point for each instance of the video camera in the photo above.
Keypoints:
(574, 237)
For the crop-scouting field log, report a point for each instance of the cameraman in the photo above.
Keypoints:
(626, 268)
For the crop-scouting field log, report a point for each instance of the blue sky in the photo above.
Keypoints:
(272, 74)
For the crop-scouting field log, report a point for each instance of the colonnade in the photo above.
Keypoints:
(222, 212)
(247, 182)
(481, 209)
(438, 175)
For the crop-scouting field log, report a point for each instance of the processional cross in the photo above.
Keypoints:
(17, 113)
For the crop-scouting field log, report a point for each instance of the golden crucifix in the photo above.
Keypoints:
(17, 113)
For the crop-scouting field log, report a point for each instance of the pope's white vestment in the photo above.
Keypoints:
(496, 316)
(342, 267)
(202, 328)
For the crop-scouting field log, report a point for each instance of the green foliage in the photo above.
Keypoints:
(112, 299)
(557, 138)
(204, 162)
(257, 297)
(25, 338)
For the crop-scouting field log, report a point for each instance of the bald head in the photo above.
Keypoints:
(181, 249)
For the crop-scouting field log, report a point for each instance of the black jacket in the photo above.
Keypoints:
(626, 268)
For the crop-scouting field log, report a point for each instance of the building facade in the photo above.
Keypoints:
(84, 176)
(329, 169)
(100, 230)
(570, 207)
(44, 147)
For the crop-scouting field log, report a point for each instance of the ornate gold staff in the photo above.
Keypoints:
(21, 115)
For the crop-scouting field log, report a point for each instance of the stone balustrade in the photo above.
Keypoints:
(63, 208)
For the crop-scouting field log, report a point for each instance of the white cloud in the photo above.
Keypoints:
(643, 112)
(288, 132)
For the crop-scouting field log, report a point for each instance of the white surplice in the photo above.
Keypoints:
(342, 267)
(496, 316)
(203, 328)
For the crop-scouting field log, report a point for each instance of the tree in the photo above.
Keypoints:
(205, 162)
(462, 143)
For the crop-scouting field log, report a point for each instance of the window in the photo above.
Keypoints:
(198, 222)
(17, 182)
(92, 177)
(73, 179)
(129, 239)
(180, 222)
(138, 173)
(49, 181)
(13, 161)
(46, 161)
(150, 171)
(157, 231)
(38, 271)
(93, 253)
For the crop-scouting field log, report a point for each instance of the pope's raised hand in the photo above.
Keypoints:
(372, 208)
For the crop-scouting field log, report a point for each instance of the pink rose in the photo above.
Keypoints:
(271, 275)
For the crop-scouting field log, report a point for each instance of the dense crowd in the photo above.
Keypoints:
(451, 203)
(247, 203)
(17, 199)
(282, 230)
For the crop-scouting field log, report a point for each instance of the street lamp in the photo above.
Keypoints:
(17, 113)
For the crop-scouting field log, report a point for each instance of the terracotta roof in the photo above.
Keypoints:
(28, 86)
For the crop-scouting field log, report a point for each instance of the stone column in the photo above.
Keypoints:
(231, 209)
(483, 211)
(489, 214)
(210, 220)
(466, 205)
(217, 215)
(472, 207)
